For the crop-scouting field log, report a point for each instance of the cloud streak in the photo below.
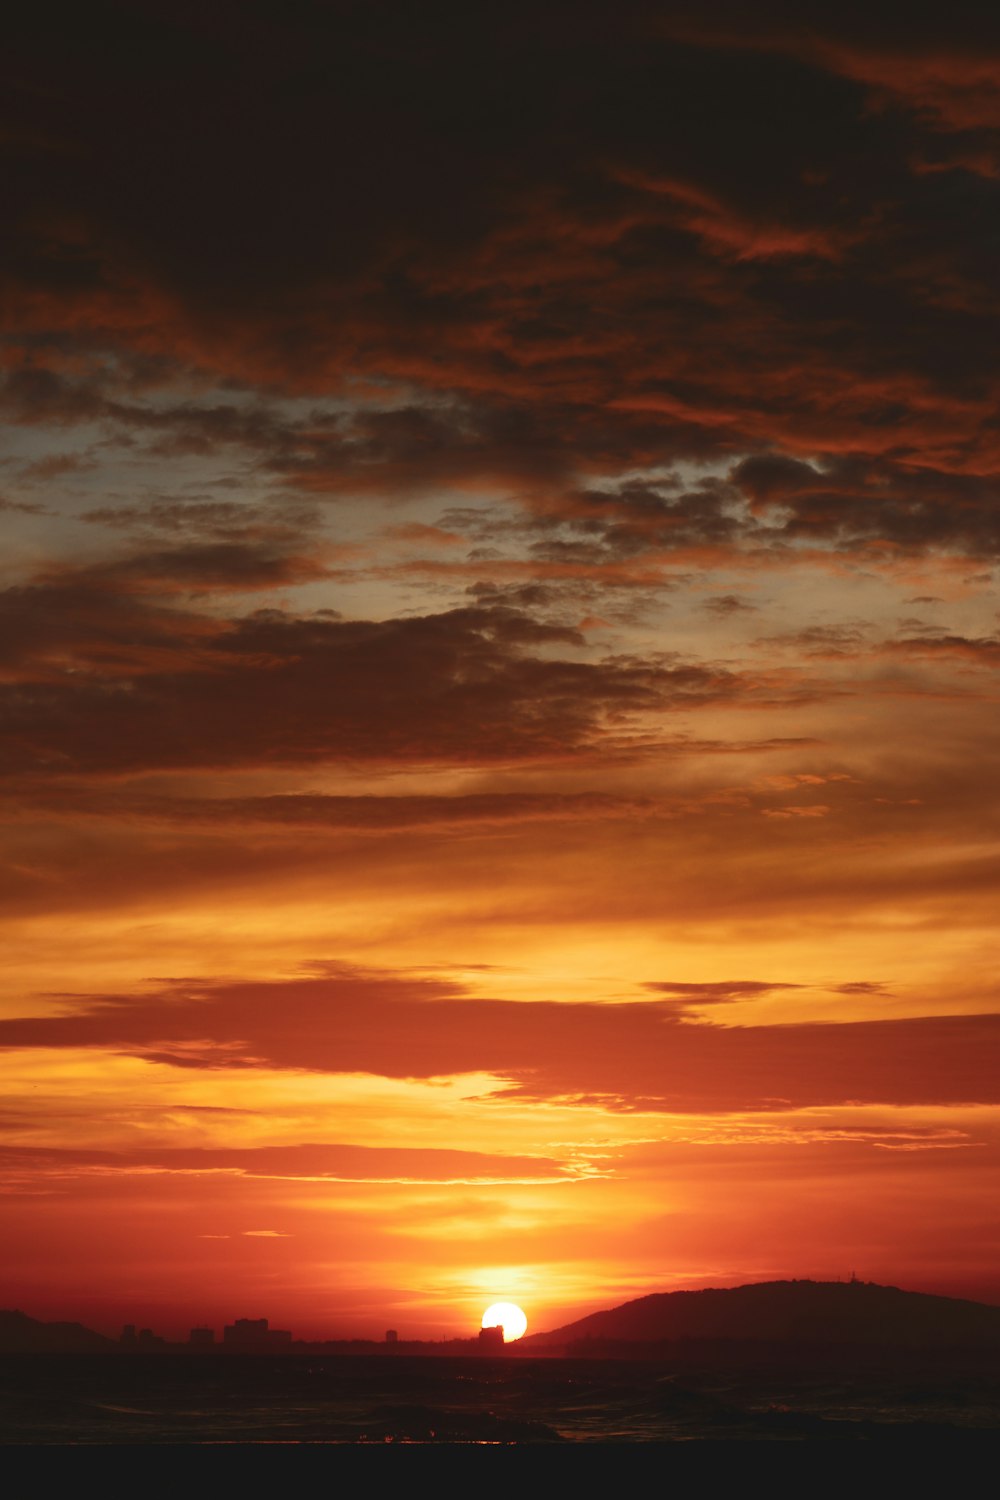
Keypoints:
(632, 1056)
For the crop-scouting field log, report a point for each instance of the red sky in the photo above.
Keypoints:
(498, 659)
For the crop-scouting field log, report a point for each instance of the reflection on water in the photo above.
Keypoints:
(328, 1399)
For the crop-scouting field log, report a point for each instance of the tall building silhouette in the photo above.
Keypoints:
(253, 1336)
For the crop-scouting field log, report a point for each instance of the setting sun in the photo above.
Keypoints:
(509, 1317)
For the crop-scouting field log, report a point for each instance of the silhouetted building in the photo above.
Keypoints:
(128, 1339)
(202, 1338)
(491, 1338)
(252, 1336)
(245, 1332)
(150, 1340)
(391, 1336)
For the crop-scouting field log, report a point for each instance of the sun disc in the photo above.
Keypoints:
(509, 1317)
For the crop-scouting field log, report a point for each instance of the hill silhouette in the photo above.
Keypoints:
(20, 1334)
(789, 1312)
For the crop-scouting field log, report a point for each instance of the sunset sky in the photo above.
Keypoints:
(499, 657)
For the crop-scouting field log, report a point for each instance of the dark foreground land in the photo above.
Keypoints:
(90, 1400)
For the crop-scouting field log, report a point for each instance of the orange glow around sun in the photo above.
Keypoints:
(509, 1317)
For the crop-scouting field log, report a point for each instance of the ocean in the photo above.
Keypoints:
(302, 1399)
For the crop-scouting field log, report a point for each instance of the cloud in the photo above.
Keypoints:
(689, 999)
(931, 645)
(666, 255)
(724, 605)
(55, 467)
(209, 520)
(807, 810)
(224, 567)
(308, 1162)
(369, 814)
(100, 680)
(856, 503)
(633, 1056)
(943, 69)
